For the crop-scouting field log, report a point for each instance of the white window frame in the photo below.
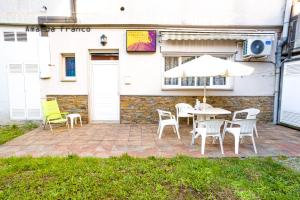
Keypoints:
(65, 78)
(227, 86)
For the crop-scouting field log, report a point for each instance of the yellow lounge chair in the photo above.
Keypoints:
(52, 114)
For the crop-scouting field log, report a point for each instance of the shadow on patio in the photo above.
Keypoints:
(105, 140)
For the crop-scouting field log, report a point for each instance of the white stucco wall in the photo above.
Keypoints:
(14, 53)
(144, 69)
(27, 11)
(164, 12)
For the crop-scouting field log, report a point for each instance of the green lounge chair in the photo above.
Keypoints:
(52, 114)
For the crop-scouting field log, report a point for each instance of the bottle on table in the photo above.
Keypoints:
(197, 106)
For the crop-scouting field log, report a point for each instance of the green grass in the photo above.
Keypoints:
(10, 132)
(152, 178)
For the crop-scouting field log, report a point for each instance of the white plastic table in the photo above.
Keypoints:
(209, 112)
(73, 118)
(206, 113)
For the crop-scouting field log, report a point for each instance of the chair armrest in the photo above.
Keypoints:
(230, 122)
(64, 113)
(237, 112)
(52, 115)
(166, 113)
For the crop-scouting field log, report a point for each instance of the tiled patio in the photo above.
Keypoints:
(105, 140)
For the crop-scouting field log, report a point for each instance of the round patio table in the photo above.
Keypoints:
(208, 112)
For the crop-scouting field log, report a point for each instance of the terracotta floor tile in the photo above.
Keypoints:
(105, 140)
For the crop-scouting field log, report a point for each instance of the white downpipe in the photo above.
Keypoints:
(280, 43)
(204, 95)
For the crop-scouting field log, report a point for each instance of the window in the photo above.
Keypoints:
(68, 67)
(9, 36)
(216, 82)
(170, 63)
(12, 36)
(21, 36)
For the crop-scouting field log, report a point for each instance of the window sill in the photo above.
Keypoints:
(68, 80)
(166, 88)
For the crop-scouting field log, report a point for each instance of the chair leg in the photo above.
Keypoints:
(193, 138)
(255, 130)
(158, 128)
(80, 121)
(254, 146)
(203, 143)
(174, 130)
(188, 121)
(50, 127)
(223, 135)
(160, 131)
(221, 144)
(177, 131)
(214, 140)
(236, 144)
(67, 124)
(72, 121)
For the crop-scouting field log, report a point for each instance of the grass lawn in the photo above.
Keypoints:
(10, 132)
(152, 178)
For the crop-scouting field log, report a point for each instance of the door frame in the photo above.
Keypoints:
(90, 83)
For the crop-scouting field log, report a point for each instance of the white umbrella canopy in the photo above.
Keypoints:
(206, 66)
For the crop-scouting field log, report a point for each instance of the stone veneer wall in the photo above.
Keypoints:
(142, 109)
(73, 103)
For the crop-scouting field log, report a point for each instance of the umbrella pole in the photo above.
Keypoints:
(204, 95)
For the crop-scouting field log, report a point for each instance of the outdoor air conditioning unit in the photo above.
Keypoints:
(257, 47)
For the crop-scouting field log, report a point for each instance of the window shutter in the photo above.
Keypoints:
(9, 36)
(31, 68)
(22, 36)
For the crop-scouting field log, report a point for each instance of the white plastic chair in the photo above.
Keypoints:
(251, 114)
(211, 128)
(166, 118)
(245, 128)
(181, 111)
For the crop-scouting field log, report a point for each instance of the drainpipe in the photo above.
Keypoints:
(281, 42)
(60, 19)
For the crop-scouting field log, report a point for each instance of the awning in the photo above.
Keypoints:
(214, 36)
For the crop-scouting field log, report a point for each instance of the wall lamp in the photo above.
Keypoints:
(103, 40)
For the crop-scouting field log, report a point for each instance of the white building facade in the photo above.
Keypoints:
(105, 82)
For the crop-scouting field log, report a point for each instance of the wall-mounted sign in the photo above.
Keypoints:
(141, 41)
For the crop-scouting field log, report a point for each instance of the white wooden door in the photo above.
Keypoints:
(32, 92)
(290, 97)
(16, 92)
(24, 92)
(105, 94)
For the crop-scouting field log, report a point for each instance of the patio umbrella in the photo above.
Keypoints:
(206, 66)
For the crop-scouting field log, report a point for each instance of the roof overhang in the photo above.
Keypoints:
(167, 35)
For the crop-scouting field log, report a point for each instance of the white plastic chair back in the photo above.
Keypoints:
(212, 126)
(246, 125)
(160, 114)
(252, 113)
(181, 109)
